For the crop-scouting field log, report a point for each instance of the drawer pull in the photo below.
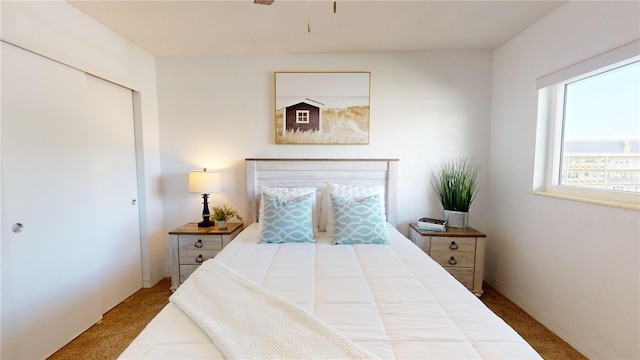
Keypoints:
(200, 259)
(198, 243)
(453, 261)
(453, 246)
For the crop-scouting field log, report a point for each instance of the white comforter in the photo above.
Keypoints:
(228, 306)
(393, 300)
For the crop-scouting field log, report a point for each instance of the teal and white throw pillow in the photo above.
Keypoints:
(358, 221)
(287, 220)
(288, 193)
(354, 192)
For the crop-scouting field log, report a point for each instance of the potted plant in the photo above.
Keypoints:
(456, 185)
(223, 214)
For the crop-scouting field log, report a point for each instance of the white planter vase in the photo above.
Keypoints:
(222, 224)
(456, 219)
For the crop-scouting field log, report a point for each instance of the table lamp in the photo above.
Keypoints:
(204, 182)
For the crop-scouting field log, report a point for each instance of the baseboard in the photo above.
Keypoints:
(545, 321)
(147, 283)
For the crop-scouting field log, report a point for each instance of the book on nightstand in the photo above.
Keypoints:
(431, 224)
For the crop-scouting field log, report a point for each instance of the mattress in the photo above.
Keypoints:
(392, 300)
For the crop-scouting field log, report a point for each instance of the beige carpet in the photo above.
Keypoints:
(107, 339)
(546, 343)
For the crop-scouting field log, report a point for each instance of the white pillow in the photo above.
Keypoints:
(353, 192)
(289, 193)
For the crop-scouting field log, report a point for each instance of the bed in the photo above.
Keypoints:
(263, 298)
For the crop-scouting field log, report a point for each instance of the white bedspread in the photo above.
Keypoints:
(228, 307)
(393, 300)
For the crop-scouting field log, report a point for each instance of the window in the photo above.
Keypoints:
(302, 116)
(588, 140)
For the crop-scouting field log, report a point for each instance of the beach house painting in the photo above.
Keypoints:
(322, 107)
(303, 115)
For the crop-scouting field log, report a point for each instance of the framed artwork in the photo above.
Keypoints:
(322, 107)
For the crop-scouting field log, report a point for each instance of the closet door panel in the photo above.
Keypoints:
(113, 167)
(52, 273)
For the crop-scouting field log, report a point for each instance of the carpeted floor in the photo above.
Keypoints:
(107, 339)
(546, 343)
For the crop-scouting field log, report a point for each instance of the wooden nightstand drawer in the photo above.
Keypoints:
(459, 251)
(192, 245)
(464, 275)
(454, 259)
(200, 242)
(196, 257)
(453, 244)
(185, 271)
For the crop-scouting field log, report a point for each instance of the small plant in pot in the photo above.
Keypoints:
(224, 214)
(456, 185)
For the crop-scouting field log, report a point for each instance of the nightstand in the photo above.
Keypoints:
(192, 245)
(459, 251)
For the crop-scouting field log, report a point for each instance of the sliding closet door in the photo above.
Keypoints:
(70, 223)
(49, 265)
(113, 167)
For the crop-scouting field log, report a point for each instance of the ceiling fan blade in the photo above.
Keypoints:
(263, 2)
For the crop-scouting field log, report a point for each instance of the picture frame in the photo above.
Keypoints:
(329, 108)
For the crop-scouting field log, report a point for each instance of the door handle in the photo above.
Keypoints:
(17, 227)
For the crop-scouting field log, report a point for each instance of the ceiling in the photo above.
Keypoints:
(240, 27)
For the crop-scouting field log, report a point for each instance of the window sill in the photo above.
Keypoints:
(588, 200)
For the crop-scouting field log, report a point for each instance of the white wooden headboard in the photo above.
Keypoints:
(317, 172)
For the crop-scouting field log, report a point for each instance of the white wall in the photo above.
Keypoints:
(573, 266)
(59, 31)
(425, 107)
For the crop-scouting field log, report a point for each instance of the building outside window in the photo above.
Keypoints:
(599, 118)
(589, 130)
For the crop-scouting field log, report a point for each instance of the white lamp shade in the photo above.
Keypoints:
(204, 182)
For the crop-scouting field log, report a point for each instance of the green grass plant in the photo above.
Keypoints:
(456, 183)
